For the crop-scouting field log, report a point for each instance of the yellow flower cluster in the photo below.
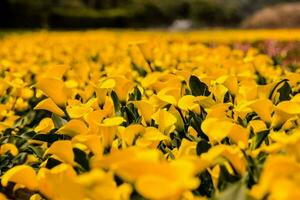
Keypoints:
(146, 115)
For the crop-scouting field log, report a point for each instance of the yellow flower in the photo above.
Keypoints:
(263, 108)
(11, 148)
(53, 88)
(45, 126)
(108, 129)
(257, 125)
(151, 138)
(2, 197)
(123, 87)
(167, 181)
(131, 133)
(36, 197)
(231, 153)
(73, 127)
(279, 179)
(60, 183)
(146, 109)
(75, 109)
(93, 142)
(165, 121)
(48, 104)
(22, 175)
(63, 150)
(102, 88)
(189, 102)
(284, 111)
(101, 185)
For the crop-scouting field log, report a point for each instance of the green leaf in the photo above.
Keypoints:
(19, 159)
(237, 191)
(117, 104)
(140, 70)
(50, 138)
(260, 137)
(206, 187)
(38, 151)
(284, 92)
(58, 121)
(197, 87)
(51, 162)
(261, 80)
(196, 122)
(274, 90)
(225, 178)
(202, 147)
(81, 158)
(136, 95)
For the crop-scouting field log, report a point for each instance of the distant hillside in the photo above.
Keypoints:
(279, 16)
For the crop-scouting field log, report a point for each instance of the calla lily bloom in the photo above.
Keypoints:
(63, 150)
(49, 105)
(22, 175)
(11, 148)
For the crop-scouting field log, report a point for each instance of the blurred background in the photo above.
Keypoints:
(172, 14)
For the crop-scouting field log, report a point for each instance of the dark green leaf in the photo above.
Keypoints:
(206, 187)
(260, 137)
(81, 158)
(58, 121)
(51, 162)
(19, 159)
(197, 87)
(274, 90)
(202, 147)
(136, 95)
(117, 104)
(50, 138)
(284, 92)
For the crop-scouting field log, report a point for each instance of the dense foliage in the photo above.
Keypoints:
(125, 13)
(141, 115)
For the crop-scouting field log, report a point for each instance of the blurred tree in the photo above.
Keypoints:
(36, 13)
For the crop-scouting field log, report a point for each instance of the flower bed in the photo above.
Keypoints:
(146, 115)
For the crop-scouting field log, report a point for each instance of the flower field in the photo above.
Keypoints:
(149, 115)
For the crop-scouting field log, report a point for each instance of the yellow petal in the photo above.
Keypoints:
(239, 135)
(45, 125)
(289, 107)
(131, 132)
(113, 121)
(164, 119)
(2, 197)
(53, 88)
(23, 175)
(79, 110)
(48, 104)
(154, 134)
(93, 142)
(263, 108)
(60, 183)
(156, 187)
(146, 109)
(36, 197)
(63, 150)
(216, 129)
(56, 71)
(257, 125)
(108, 84)
(9, 148)
(188, 102)
(73, 127)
